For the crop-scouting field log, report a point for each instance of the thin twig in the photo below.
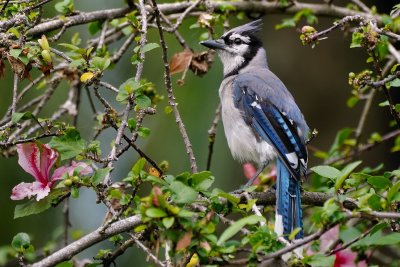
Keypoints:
(15, 91)
(360, 4)
(171, 97)
(363, 116)
(366, 147)
(124, 47)
(140, 245)
(103, 34)
(344, 246)
(212, 133)
(139, 70)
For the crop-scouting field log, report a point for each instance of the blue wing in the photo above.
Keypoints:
(275, 126)
(271, 124)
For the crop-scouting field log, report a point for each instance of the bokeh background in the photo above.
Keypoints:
(316, 77)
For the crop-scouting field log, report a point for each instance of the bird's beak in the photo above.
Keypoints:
(213, 44)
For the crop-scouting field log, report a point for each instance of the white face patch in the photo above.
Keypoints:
(245, 39)
(231, 61)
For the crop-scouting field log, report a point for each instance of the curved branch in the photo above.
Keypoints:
(174, 8)
(88, 240)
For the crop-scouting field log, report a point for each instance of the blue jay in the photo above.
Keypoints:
(261, 120)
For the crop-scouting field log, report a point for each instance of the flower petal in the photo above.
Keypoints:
(48, 157)
(59, 172)
(29, 159)
(40, 190)
(86, 169)
(37, 160)
(21, 191)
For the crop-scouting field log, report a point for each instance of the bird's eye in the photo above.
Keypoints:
(237, 41)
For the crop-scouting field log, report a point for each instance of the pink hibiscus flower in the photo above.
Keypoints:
(37, 159)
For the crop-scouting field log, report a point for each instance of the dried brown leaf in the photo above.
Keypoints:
(206, 19)
(181, 61)
(17, 66)
(201, 62)
(184, 242)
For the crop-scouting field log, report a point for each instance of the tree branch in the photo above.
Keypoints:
(88, 240)
(171, 97)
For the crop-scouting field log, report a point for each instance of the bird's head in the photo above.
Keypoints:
(237, 47)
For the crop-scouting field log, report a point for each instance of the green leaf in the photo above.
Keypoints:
(294, 233)
(379, 182)
(286, 23)
(394, 83)
(349, 234)
(155, 213)
(65, 6)
(34, 207)
(393, 191)
(374, 202)
(14, 31)
(21, 242)
(138, 167)
(390, 239)
(143, 132)
(122, 96)
(94, 27)
(15, 52)
(148, 47)
(73, 48)
(182, 192)
(378, 227)
(397, 107)
(234, 228)
(99, 175)
(326, 171)
(101, 63)
(318, 260)
(131, 124)
(352, 101)
(340, 139)
(202, 180)
(384, 104)
(356, 39)
(69, 145)
(130, 86)
(168, 222)
(143, 101)
(345, 173)
(16, 117)
(75, 192)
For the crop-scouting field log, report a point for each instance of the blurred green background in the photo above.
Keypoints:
(316, 77)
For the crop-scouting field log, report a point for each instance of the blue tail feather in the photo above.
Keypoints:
(288, 203)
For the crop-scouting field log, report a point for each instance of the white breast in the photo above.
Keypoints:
(241, 141)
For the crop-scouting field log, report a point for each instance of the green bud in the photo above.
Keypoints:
(47, 56)
(68, 182)
(164, 165)
(308, 29)
(352, 75)
(76, 179)
(44, 44)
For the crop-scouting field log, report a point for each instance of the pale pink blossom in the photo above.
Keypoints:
(249, 171)
(343, 258)
(37, 159)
